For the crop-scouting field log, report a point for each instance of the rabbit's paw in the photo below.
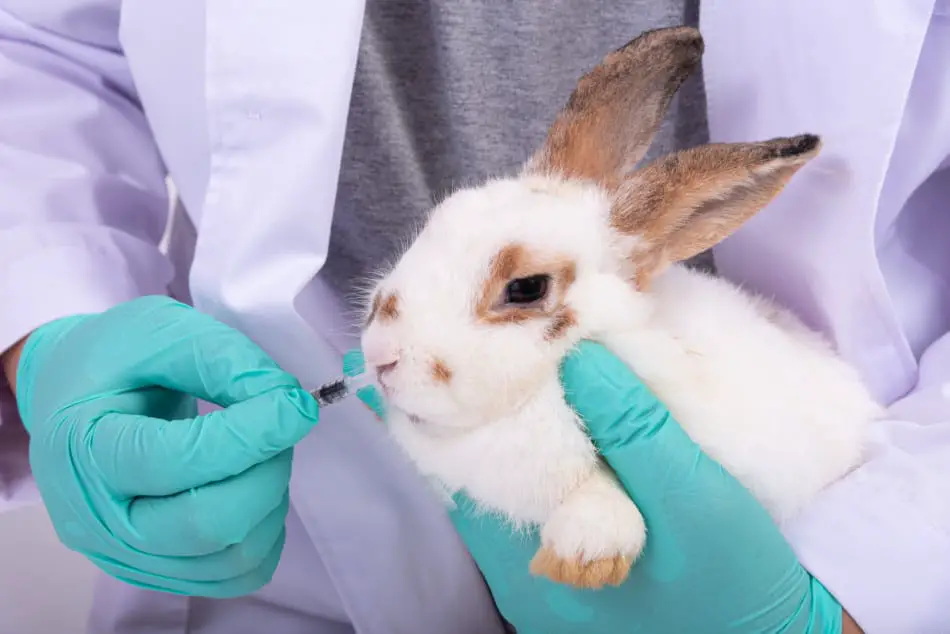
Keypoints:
(590, 543)
(580, 573)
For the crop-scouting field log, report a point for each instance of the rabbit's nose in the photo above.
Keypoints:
(380, 353)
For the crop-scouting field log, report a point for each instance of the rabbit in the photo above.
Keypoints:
(467, 330)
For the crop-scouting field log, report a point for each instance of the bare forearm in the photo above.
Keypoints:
(10, 359)
(848, 626)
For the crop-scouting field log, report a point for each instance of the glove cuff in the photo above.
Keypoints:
(36, 348)
(826, 616)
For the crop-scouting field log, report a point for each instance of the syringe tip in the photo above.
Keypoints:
(331, 392)
(337, 390)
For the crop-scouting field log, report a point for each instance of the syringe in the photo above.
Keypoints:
(336, 391)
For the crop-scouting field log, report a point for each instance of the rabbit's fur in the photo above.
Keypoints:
(468, 329)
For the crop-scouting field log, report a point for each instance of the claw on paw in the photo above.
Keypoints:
(577, 572)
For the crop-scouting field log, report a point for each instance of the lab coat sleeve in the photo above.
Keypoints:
(879, 539)
(83, 201)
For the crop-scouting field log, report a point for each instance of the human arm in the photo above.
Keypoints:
(107, 380)
(83, 202)
(131, 476)
(849, 625)
(9, 361)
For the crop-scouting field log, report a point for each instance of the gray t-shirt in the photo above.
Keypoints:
(448, 92)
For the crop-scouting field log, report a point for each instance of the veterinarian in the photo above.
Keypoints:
(303, 139)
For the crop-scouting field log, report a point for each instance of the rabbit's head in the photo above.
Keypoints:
(481, 308)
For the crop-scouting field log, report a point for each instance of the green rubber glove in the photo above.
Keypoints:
(714, 561)
(131, 476)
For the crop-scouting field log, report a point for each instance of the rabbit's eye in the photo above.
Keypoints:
(527, 290)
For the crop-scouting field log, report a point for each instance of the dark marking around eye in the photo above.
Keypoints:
(562, 321)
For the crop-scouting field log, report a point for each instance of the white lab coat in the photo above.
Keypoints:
(857, 244)
(243, 102)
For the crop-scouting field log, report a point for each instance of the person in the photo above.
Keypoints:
(303, 139)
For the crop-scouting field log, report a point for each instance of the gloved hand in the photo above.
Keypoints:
(714, 561)
(132, 477)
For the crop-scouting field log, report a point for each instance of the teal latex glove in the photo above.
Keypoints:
(714, 560)
(131, 476)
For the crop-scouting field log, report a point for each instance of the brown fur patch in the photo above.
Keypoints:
(508, 261)
(567, 273)
(389, 307)
(516, 261)
(502, 269)
(611, 117)
(441, 372)
(575, 572)
(563, 320)
(686, 202)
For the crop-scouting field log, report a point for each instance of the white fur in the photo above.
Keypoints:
(551, 475)
(757, 390)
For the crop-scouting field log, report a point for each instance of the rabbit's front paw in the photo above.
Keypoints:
(591, 542)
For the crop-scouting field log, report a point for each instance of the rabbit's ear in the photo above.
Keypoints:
(686, 202)
(611, 117)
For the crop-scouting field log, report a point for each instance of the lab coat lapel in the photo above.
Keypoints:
(279, 76)
(842, 70)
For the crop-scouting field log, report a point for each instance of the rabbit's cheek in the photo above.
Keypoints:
(606, 303)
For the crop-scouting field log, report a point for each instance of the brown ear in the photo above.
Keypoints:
(684, 203)
(614, 112)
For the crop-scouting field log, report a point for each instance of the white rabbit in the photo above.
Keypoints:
(468, 329)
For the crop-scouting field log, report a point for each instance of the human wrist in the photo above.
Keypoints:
(828, 616)
(848, 624)
(10, 365)
(9, 360)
